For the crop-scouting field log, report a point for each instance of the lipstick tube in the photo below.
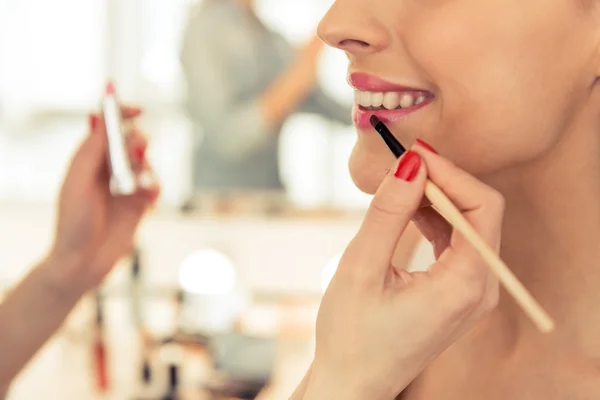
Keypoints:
(122, 177)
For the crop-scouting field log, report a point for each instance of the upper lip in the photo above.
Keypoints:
(371, 83)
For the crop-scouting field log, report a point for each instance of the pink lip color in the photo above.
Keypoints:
(371, 83)
(366, 82)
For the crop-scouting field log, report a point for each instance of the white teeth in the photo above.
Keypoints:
(391, 100)
(388, 100)
(376, 99)
(365, 99)
(407, 100)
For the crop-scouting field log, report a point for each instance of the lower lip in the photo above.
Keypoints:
(362, 116)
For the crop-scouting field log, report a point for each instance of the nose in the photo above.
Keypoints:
(350, 25)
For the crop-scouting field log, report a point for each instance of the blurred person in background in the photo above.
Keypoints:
(243, 81)
(93, 231)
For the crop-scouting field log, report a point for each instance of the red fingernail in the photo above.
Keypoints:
(408, 167)
(426, 146)
(140, 153)
(93, 121)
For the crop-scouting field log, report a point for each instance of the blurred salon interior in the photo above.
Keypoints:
(219, 298)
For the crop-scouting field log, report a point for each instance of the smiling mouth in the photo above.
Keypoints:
(374, 101)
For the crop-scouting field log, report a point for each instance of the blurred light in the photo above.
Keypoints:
(207, 272)
(72, 64)
(332, 73)
(296, 21)
(161, 67)
(345, 193)
(329, 272)
(304, 154)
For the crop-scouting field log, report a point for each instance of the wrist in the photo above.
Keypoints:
(325, 383)
(60, 278)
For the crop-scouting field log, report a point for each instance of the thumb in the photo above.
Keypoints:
(90, 158)
(94, 149)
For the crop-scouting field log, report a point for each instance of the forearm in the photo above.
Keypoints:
(29, 315)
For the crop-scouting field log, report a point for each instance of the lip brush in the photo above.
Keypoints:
(453, 215)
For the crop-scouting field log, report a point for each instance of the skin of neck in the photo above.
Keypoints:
(551, 241)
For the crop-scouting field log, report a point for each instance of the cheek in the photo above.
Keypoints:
(502, 100)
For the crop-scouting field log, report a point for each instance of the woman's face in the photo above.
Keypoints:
(498, 82)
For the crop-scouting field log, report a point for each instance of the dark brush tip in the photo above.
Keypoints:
(374, 120)
(394, 145)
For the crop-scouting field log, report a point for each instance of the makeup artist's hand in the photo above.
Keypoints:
(378, 327)
(94, 229)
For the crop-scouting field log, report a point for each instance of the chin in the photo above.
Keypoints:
(367, 167)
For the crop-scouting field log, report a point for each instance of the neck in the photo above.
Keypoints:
(551, 241)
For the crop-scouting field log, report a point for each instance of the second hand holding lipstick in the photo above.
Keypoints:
(448, 210)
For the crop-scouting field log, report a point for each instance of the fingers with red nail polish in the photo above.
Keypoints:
(93, 122)
(426, 146)
(140, 154)
(137, 145)
(409, 166)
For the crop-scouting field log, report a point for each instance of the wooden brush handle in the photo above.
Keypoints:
(525, 300)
